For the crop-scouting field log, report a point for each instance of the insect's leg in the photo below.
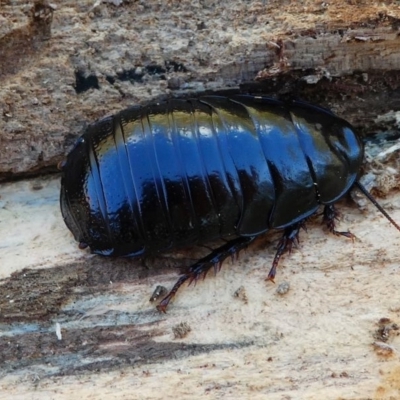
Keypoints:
(330, 217)
(290, 236)
(201, 267)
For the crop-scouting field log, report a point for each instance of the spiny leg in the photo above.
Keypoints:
(201, 267)
(290, 236)
(330, 217)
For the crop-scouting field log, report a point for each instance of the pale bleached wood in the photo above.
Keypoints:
(316, 341)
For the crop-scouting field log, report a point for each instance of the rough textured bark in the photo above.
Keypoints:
(62, 68)
(73, 325)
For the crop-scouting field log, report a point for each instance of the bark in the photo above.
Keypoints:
(64, 66)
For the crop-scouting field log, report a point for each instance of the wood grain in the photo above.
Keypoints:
(76, 325)
(322, 339)
(101, 58)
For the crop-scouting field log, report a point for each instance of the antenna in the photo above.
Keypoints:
(376, 204)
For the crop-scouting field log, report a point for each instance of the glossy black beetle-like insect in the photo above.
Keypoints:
(182, 172)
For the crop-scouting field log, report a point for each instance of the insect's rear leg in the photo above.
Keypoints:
(290, 236)
(330, 217)
(201, 267)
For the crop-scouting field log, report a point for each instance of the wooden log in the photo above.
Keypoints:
(73, 324)
(63, 67)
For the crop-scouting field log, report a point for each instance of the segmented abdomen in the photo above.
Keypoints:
(185, 171)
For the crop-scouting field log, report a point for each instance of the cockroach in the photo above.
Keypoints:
(183, 172)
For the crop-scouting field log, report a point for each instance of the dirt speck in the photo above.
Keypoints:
(240, 294)
(181, 330)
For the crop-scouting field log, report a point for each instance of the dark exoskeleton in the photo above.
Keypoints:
(183, 172)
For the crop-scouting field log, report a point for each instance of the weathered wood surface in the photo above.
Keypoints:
(62, 68)
(331, 336)
(314, 342)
